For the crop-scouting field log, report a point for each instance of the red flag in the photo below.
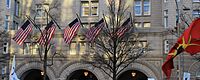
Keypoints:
(47, 33)
(192, 38)
(23, 32)
(94, 31)
(124, 27)
(71, 30)
(189, 42)
(168, 65)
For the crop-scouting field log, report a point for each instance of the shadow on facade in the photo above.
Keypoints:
(33, 74)
(82, 75)
(132, 75)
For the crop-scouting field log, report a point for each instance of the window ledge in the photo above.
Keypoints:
(142, 15)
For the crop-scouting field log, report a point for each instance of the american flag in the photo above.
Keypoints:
(47, 33)
(94, 31)
(124, 27)
(70, 31)
(23, 32)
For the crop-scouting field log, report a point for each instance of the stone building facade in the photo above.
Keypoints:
(153, 18)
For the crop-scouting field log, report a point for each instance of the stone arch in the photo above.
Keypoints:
(148, 69)
(23, 67)
(67, 69)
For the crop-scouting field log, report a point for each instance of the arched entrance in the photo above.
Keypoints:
(132, 75)
(33, 74)
(82, 75)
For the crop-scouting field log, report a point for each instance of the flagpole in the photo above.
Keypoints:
(79, 20)
(52, 19)
(178, 28)
(32, 21)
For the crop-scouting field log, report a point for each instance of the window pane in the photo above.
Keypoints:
(137, 10)
(166, 46)
(147, 24)
(13, 26)
(196, 0)
(16, 26)
(94, 3)
(27, 48)
(85, 11)
(40, 12)
(35, 48)
(146, 2)
(165, 12)
(84, 3)
(137, 2)
(82, 47)
(196, 13)
(146, 7)
(89, 8)
(146, 10)
(137, 7)
(6, 25)
(16, 11)
(85, 8)
(5, 48)
(138, 24)
(94, 11)
(73, 49)
(8, 3)
(166, 22)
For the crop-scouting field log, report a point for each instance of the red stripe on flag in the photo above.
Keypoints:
(94, 31)
(23, 32)
(69, 33)
(47, 34)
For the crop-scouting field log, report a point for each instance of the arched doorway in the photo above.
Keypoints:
(33, 74)
(132, 75)
(82, 75)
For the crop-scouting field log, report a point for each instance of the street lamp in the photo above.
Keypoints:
(42, 73)
(85, 73)
(133, 74)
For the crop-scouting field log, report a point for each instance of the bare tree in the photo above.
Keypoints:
(49, 12)
(110, 53)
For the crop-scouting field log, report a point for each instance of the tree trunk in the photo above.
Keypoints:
(114, 60)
